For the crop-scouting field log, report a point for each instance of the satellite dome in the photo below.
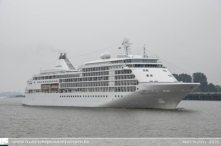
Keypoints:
(106, 55)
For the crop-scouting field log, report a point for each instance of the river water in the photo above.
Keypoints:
(191, 119)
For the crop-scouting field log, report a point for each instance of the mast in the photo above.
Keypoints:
(144, 51)
(126, 45)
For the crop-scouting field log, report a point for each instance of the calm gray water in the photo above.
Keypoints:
(190, 119)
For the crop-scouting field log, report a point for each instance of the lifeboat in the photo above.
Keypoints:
(54, 86)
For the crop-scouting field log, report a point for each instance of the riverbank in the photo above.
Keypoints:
(204, 96)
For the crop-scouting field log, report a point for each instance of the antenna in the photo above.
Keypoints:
(156, 52)
(144, 51)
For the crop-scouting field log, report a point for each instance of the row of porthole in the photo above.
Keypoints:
(46, 81)
(118, 96)
(148, 70)
(150, 75)
(83, 96)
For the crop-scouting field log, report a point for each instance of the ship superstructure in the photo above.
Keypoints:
(128, 81)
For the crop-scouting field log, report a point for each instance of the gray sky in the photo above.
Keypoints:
(185, 33)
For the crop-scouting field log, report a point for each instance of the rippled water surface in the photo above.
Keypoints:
(190, 119)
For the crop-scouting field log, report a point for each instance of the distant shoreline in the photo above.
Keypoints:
(204, 96)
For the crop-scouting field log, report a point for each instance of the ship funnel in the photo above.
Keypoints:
(62, 56)
(64, 62)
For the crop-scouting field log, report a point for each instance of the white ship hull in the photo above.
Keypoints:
(128, 81)
(149, 95)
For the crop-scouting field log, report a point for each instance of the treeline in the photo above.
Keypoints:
(198, 78)
(10, 94)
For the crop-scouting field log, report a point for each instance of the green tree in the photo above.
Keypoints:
(218, 88)
(202, 79)
(212, 88)
(183, 77)
(176, 76)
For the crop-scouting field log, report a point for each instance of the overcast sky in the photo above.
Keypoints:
(184, 33)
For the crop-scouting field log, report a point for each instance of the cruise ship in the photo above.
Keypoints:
(127, 81)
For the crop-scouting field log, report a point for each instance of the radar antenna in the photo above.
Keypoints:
(144, 51)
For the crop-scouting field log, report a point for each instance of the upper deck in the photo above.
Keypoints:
(121, 74)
